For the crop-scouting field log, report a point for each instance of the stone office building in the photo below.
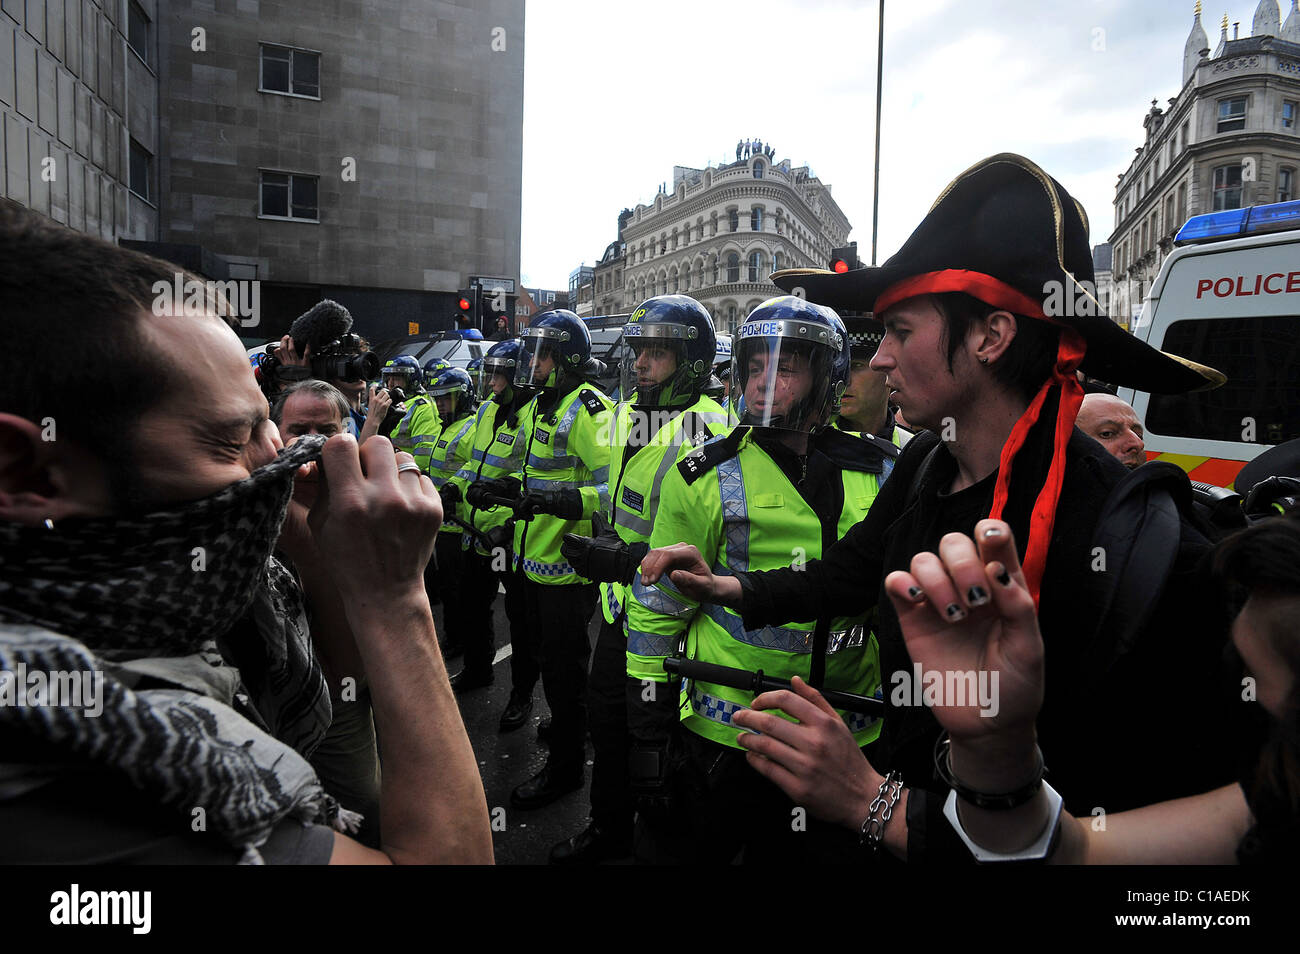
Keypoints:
(367, 151)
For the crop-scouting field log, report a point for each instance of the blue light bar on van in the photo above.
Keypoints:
(1235, 223)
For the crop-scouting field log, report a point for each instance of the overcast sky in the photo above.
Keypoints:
(618, 93)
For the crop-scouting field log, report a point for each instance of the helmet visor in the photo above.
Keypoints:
(783, 374)
(540, 356)
(496, 377)
(652, 369)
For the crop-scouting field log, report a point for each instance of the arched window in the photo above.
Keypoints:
(713, 219)
(756, 219)
(733, 220)
(755, 265)
(674, 240)
(663, 243)
(714, 262)
(778, 261)
(758, 169)
(733, 267)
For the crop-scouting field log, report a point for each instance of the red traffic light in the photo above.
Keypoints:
(840, 266)
(464, 304)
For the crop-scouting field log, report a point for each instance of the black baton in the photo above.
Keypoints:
(757, 682)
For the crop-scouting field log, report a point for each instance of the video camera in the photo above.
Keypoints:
(335, 352)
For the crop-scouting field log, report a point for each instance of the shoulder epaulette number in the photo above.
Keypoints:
(593, 403)
(699, 462)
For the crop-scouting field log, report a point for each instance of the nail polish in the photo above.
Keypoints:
(977, 596)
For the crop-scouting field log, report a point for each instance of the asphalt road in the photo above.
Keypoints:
(526, 837)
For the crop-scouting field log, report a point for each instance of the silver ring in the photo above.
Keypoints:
(408, 466)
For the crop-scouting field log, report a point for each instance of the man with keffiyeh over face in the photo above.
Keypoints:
(136, 540)
(972, 357)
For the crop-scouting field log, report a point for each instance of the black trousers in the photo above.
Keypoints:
(558, 616)
(478, 591)
(721, 810)
(611, 797)
(450, 569)
(525, 668)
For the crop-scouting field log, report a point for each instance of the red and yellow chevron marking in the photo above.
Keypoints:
(1208, 470)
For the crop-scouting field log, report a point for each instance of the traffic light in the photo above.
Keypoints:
(845, 258)
(465, 308)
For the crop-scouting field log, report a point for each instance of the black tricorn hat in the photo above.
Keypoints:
(1010, 235)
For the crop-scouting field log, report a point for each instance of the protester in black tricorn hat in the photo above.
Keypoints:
(135, 563)
(971, 355)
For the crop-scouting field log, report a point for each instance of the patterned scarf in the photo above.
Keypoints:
(149, 597)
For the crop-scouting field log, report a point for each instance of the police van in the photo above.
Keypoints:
(1228, 296)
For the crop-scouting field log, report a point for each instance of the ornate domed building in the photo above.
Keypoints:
(718, 234)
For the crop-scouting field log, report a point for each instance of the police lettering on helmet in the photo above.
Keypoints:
(790, 364)
(670, 345)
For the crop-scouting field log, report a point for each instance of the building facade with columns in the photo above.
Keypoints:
(1229, 139)
(718, 235)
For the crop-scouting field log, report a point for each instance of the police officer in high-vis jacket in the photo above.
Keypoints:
(782, 485)
(564, 481)
(420, 425)
(441, 458)
(864, 405)
(662, 416)
(496, 447)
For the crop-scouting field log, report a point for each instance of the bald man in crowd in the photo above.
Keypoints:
(1113, 424)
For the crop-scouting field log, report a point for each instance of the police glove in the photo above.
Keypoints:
(603, 557)
(507, 487)
(565, 503)
(450, 495)
(500, 538)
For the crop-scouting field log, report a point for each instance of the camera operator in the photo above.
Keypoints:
(209, 698)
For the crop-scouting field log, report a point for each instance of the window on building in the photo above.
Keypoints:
(1227, 187)
(756, 220)
(733, 267)
(715, 269)
(1285, 184)
(755, 266)
(758, 170)
(663, 244)
(290, 196)
(733, 220)
(137, 30)
(1186, 131)
(1288, 114)
(1232, 115)
(141, 172)
(289, 71)
(1146, 236)
(1169, 213)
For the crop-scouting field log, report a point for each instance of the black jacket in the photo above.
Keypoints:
(1152, 725)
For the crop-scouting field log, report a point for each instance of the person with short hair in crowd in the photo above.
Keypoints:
(1113, 424)
(136, 556)
(309, 407)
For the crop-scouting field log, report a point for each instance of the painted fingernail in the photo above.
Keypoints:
(1002, 576)
(915, 593)
(992, 532)
(955, 612)
(977, 596)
